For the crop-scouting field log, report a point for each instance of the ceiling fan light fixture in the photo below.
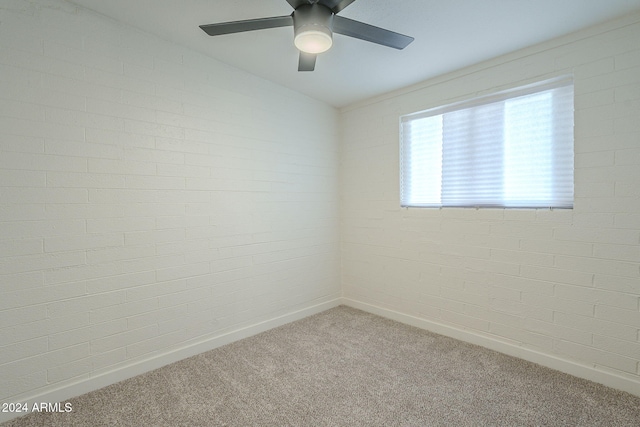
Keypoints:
(312, 28)
(313, 40)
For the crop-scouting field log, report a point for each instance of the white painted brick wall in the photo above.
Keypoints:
(565, 283)
(149, 197)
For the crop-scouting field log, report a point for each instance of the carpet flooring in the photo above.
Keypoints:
(345, 367)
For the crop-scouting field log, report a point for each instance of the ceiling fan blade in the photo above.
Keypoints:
(336, 5)
(362, 31)
(297, 3)
(247, 25)
(307, 61)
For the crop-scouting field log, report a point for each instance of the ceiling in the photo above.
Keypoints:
(449, 34)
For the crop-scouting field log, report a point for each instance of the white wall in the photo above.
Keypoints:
(155, 203)
(150, 199)
(558, 287)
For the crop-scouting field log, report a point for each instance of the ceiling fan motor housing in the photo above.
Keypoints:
(312, 27)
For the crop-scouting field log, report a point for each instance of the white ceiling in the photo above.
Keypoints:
(449, 34)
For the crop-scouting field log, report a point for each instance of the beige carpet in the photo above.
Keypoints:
(345, 367)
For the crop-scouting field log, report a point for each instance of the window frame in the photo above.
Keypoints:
(500, 96)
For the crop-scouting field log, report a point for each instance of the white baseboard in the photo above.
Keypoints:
(550, 361)
(67, 391)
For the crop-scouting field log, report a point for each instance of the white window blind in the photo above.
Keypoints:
(512, 149)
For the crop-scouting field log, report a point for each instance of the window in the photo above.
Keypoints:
(511, 149)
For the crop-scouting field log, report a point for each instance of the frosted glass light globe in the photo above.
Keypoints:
(313, 41)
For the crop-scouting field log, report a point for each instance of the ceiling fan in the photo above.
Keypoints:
(314, 22)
